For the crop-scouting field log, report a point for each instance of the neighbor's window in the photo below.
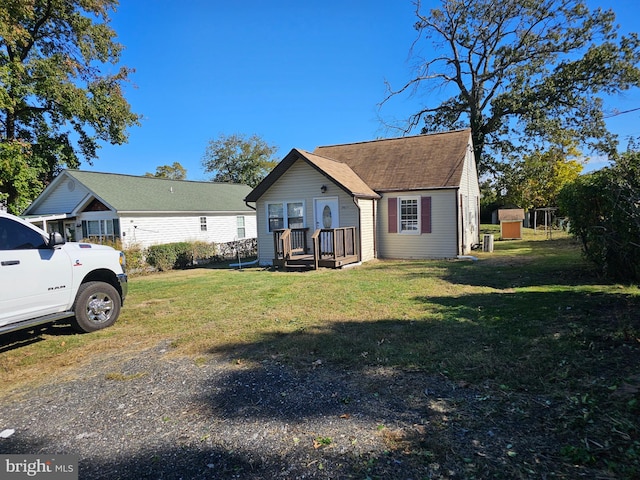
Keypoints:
(241, 229)
(203, 224)
(99, 230)
(409, 215)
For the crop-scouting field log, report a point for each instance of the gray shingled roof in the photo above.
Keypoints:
(406, 163)
(151, 194)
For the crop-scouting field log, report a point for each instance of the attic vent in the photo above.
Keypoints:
(170, 189)
(71, 185)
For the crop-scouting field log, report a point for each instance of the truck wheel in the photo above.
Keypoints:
(97, 306)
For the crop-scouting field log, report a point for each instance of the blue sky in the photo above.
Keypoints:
(299, 74)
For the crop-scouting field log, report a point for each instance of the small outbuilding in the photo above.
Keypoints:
(511, 223)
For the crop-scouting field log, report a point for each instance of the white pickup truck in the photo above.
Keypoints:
(44, 279)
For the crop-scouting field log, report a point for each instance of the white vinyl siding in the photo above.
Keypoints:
(64, 198)
(440, 243)
(469, 205)
(159, 229)
(300, 183)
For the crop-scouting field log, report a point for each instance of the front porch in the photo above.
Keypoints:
(330, 248)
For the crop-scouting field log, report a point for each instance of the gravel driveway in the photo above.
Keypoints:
(156, 416)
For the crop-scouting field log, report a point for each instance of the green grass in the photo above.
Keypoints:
(530, 318)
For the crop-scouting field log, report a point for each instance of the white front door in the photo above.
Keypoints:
(326, 212)
(326, 216)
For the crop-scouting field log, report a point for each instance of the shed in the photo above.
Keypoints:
(511, 223)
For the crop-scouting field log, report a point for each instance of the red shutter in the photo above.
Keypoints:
(392, 206)
(425, 214)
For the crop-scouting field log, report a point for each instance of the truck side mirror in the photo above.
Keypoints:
(55, 238)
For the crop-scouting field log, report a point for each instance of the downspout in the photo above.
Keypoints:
(252, 208)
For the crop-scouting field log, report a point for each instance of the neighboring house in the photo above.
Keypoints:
(407, 198)
(142, 210)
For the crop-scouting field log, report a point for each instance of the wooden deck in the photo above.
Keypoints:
(330, 248)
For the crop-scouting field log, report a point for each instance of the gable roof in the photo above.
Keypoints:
(407, 163)
(129, 193)
(396, 164)
(340, 173)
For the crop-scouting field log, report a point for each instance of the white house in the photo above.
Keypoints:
(408, 198)
(142, 210)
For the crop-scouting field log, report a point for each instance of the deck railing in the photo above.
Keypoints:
(335, 242)
(330, 246)
(290, 241)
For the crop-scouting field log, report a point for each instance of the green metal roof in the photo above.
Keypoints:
(128, 193)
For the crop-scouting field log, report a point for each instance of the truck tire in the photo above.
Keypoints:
(97, 306)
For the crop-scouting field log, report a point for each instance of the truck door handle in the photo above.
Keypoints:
(10, 262)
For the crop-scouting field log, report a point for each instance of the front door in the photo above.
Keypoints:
(326, 216)
(326, 211)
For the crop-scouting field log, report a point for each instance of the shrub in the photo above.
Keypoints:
(135, 258)
(604, 212)
(169, 256)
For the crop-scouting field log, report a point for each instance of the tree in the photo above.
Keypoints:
(173, 172)
(536, 180)
(521, 73)
(238, 159)
(55, 103)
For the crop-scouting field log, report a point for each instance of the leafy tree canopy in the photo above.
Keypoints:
(536, 180)
(173, 172)
(239, 159)
(56, 104)
(520, 73)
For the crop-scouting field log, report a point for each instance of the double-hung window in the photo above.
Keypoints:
(203, 224)
(409, 214)
(241, 227)
(285, 215)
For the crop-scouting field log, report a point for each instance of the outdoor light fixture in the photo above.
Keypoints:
(323, 188)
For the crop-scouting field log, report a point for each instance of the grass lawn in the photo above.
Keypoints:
(530, 318)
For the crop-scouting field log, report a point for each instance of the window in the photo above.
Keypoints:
(98, 230)
(14, 236)
(241, 229)
(276, 215)
(409, 215)
(203, 224)
(295, 215)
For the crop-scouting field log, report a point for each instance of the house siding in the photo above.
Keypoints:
(300, 182)
(63, 199)
(367, 228)
(440, 243)
(159, 229)
(469, 228)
